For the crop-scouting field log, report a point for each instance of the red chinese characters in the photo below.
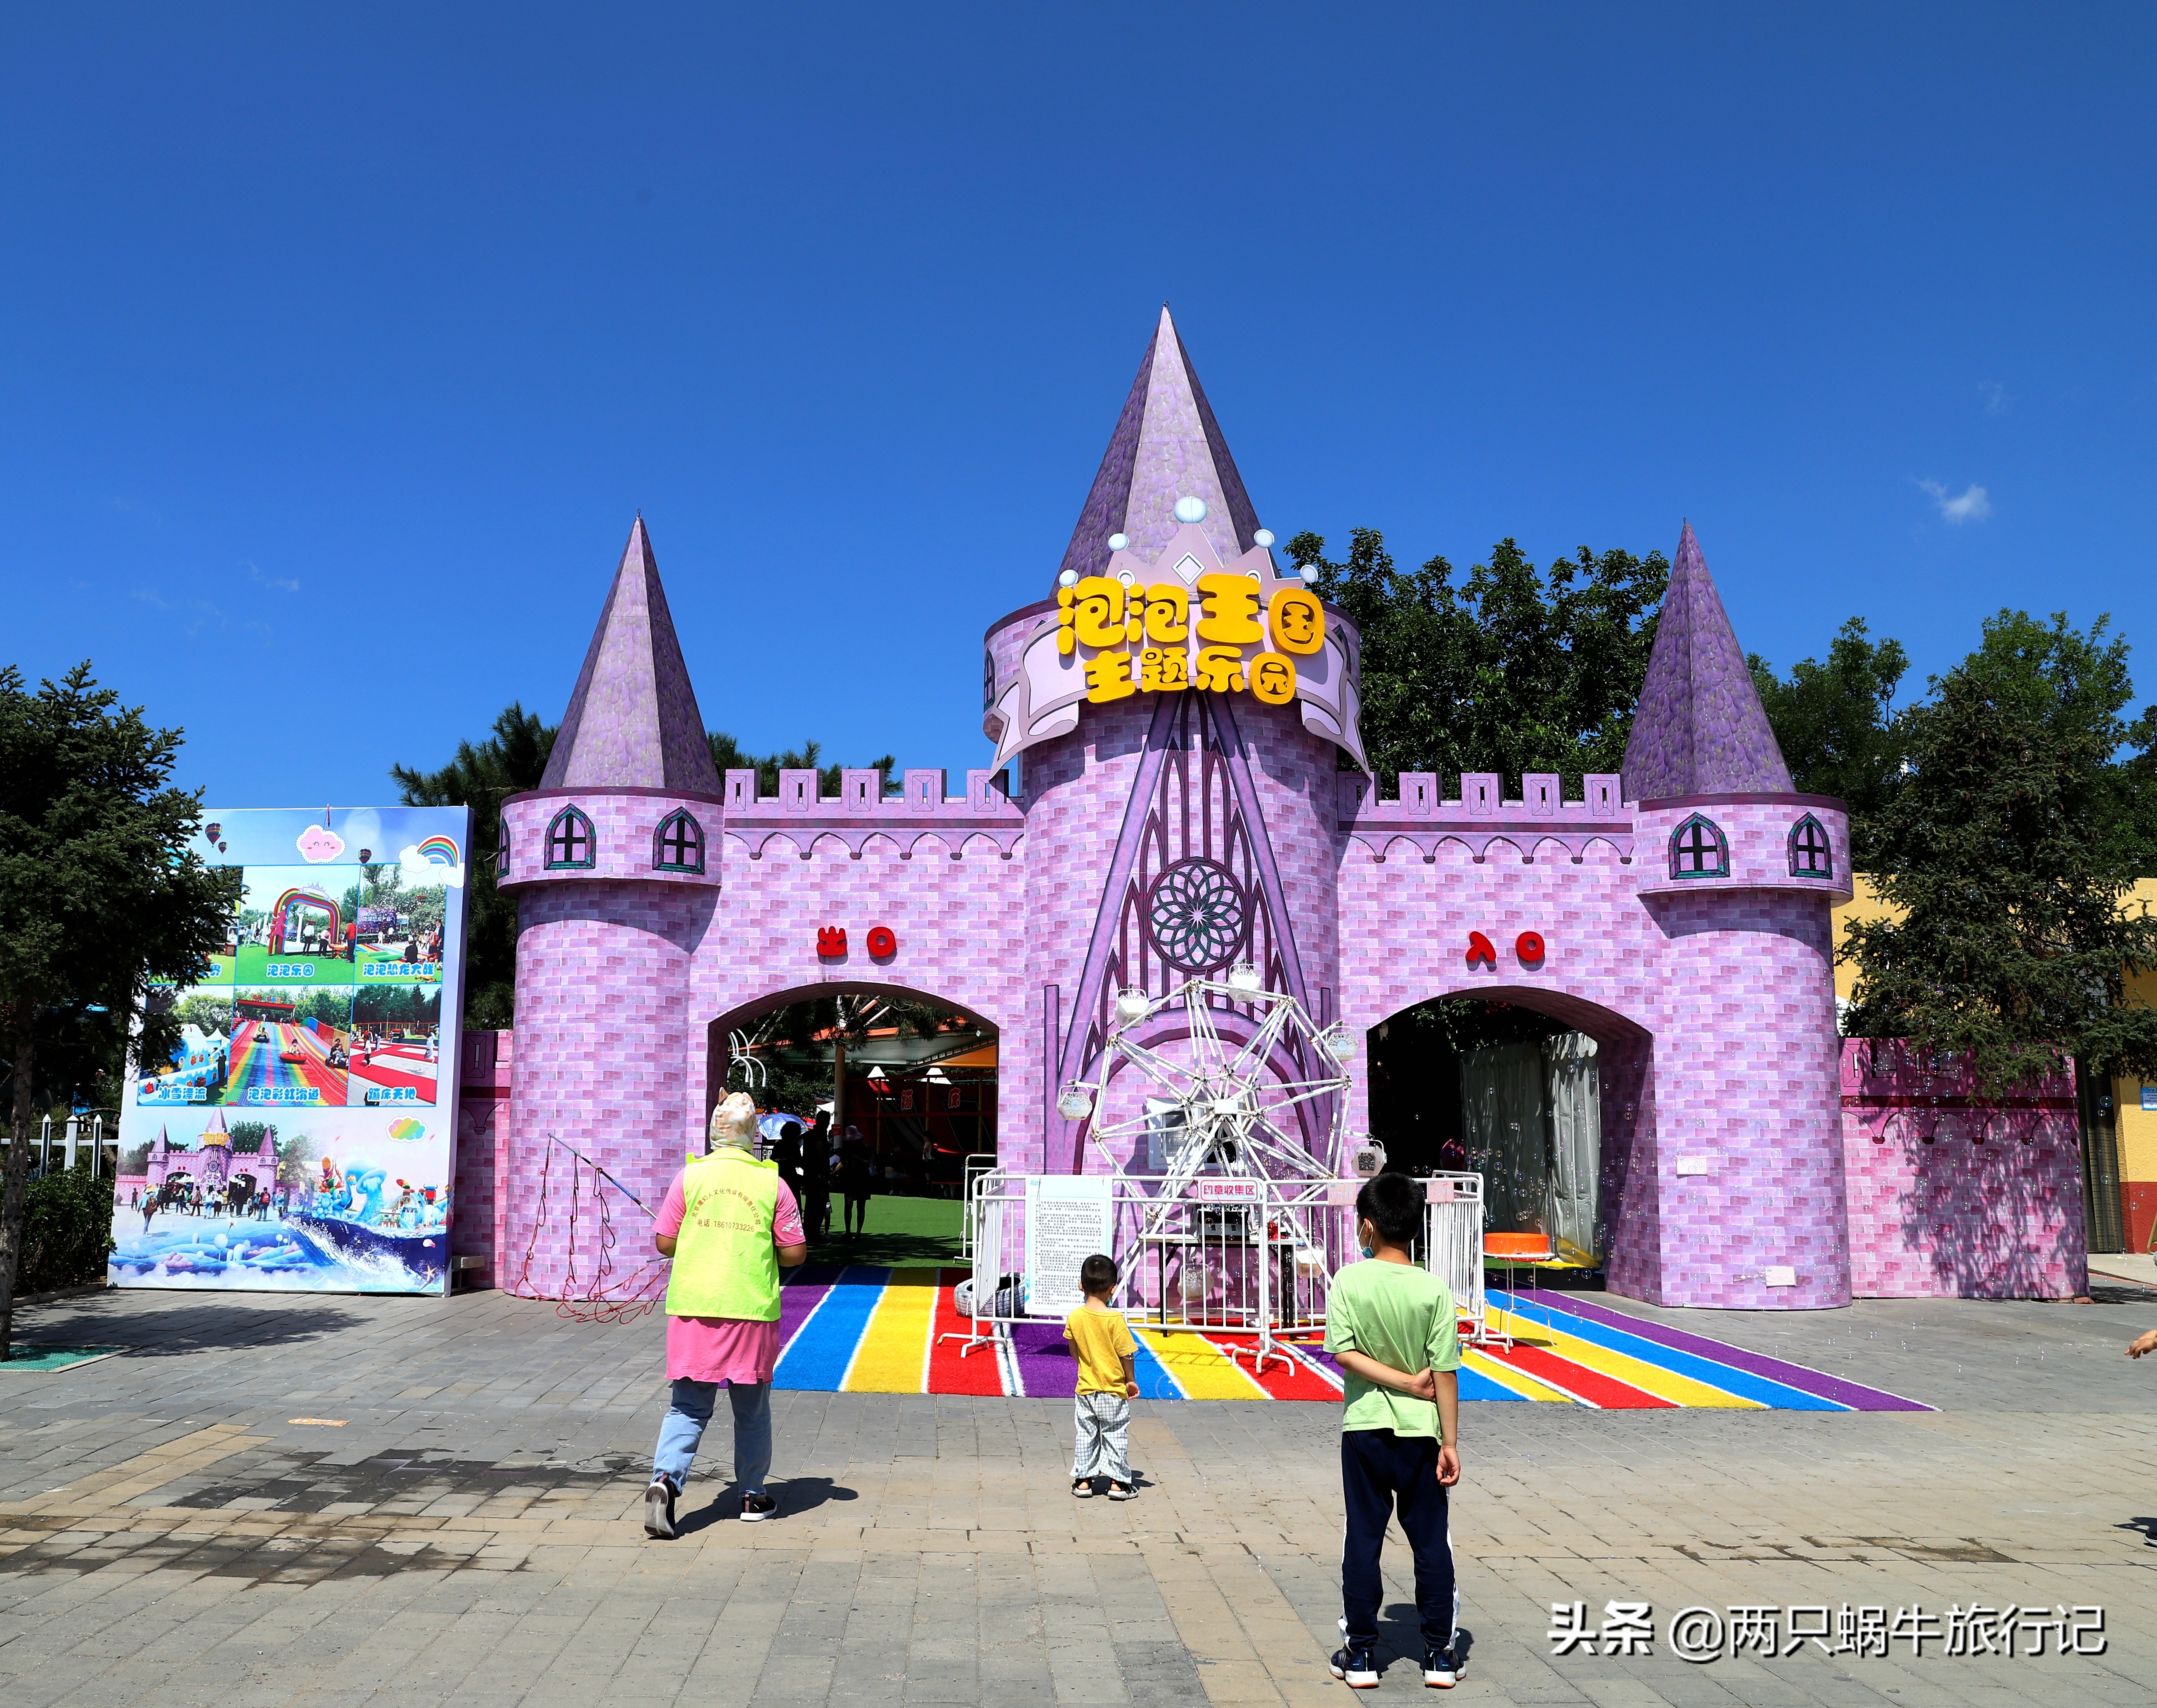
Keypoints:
(830, 940)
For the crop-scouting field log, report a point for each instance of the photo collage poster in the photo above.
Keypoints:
(299, 1136)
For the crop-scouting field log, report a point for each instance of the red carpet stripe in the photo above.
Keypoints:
(1592, 1385)
(978, 1372)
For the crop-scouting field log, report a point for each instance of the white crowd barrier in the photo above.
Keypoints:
(1453, 1250)
(1244, 1258)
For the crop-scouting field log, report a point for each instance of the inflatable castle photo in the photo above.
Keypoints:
(1178, 788)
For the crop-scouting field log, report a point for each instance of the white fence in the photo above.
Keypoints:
(1235, 1256)
(1453, 1250)
(71, 1138)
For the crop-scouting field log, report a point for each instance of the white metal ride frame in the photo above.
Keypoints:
(1235, 1170)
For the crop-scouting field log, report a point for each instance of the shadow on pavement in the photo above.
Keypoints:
(191, 1323)
(796, 1495)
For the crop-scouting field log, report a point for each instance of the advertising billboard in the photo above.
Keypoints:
(298, 1137)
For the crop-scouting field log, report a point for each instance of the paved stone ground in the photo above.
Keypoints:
(470, 1531)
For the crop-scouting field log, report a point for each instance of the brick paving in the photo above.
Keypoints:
(168, 1536)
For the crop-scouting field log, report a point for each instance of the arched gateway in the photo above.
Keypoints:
(1177, 709)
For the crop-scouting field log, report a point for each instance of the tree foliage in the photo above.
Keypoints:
(482, 775)
(1839, 728)
(101, 895)
(1513, 671)
(2007, 854)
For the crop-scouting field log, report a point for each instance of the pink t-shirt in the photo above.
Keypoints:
(725, 1349)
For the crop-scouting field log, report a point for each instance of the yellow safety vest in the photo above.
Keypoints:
(724, 1262)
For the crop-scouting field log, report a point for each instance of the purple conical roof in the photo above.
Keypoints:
(1700, 728)
(1167, 446)
(633, 719)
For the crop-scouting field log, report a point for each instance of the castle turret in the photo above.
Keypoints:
(614, 860)
(1178, 701)
(1741, 873)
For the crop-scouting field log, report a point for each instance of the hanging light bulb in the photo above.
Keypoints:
(1131, 1004)
(1244, 976)
(1074, 1103)
(1339, 1043)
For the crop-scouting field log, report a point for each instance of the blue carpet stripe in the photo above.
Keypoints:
(1776, 1396)
(817, 1359)
(1154, 1381)
(1476, 1385)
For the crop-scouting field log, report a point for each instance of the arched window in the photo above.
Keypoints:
(1698, 849)
(678, 844)
(570, 842)
(1811, 855)
(501, 847)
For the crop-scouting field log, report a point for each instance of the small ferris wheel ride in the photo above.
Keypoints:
(1267, 1099)
(1236, 1104)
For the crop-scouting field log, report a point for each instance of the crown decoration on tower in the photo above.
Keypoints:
(1169, 584)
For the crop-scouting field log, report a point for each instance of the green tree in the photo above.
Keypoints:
(2007, 855)
(100, 894)
(1513, 671)
(1839, 730)
(481, 776)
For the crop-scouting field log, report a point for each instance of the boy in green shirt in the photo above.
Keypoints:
(1389, 1325)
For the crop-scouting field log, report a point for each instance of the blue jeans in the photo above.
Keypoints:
(684, 1427)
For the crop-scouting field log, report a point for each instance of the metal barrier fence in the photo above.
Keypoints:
(1453, 1250)
(1228, 1256)
(1238, 1256)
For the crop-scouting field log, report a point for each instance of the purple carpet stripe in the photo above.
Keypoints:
(1854, 1394)
(1045, 1364)
(801, 1291)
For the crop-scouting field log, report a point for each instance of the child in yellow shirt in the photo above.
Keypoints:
(1108, 1366)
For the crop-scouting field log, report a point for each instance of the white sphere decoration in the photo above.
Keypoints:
(1126, 577)
(1069, 578)
(1265, 537)
(1191, 510)
(1119, 542)
(1309, 574)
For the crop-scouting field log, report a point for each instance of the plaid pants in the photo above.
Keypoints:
(1103, 1421)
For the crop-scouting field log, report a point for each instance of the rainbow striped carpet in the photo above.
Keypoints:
(860, 1329)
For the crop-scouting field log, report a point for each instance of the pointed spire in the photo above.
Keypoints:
(633, 720)
(1167, 446)
(1700, 728)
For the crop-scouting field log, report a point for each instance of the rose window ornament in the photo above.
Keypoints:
(1196, 915)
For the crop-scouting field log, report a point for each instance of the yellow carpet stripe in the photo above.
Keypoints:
(1200, 1369)
(1649, 1378)
(893, 1355)
(1512, 1379)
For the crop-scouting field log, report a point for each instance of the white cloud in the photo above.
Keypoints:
(1994, 395)
(1971, 505)
(279, 582)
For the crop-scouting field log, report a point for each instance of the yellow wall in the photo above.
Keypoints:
(2138, 1127)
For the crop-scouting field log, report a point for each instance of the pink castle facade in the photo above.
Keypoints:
(1678, 912)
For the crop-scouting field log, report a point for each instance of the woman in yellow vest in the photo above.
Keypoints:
(730, 1225)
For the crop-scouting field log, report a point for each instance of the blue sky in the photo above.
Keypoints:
(337, 350)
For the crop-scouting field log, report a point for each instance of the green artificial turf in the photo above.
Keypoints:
(901, 1232)
(33, 1359)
